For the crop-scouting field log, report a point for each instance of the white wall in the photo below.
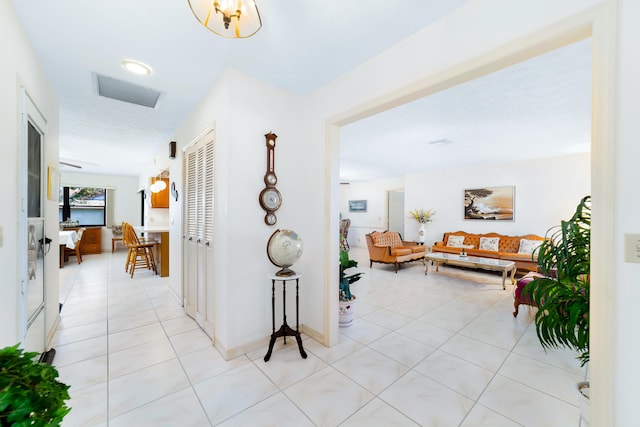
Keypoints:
(624, 285)
(377, 215)
(126, 201)
(244, 110)
(546, 192)
(21, 67)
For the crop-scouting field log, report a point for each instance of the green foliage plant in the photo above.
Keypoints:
(30, 394)
(562, 296)
(347, 279)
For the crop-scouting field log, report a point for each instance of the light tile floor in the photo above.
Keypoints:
(435, 350)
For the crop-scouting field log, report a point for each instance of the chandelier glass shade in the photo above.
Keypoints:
(228, 18)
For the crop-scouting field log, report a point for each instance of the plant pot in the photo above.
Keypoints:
(347, 310)
(583, 390)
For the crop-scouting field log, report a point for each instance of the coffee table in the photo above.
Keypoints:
(472, 262)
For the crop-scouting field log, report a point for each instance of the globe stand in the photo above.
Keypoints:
(285, 330)
(285, 272)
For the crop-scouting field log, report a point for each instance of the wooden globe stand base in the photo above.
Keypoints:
(285, 330)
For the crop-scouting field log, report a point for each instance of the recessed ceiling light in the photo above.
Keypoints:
(136, 67)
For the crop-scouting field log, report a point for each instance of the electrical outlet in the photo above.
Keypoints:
(632, 248)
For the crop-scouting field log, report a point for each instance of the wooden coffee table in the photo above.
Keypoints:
(472, 262)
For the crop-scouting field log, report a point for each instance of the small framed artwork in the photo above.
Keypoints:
(357, 205)
(489, 203)
(53, 183)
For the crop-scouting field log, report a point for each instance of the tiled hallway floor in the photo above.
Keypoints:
(435, 350)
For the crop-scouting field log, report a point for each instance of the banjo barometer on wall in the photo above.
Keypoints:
(270, 198)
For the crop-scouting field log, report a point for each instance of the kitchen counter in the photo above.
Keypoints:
(153, 228)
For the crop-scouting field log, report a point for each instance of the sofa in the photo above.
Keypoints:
(519, 249)
(389, 248)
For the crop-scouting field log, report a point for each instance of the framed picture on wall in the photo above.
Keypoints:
(357, 205)
(53, 183)
(489, 203)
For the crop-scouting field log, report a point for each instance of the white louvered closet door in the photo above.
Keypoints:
(198, 231)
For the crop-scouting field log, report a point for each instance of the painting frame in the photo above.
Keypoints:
(489, 203)
(357, 205)
(53, 183)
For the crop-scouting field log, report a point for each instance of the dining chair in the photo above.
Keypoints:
(140, 253)
(76, 250)
(116, 236)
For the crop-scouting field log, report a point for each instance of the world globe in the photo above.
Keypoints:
(284, 248)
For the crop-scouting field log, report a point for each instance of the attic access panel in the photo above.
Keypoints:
(120, 90)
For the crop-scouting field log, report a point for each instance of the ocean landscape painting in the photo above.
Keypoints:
(489, 203)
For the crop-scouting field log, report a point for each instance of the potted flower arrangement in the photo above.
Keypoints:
(562, 295)
(30, 394)
(347, 299)
(422, 216)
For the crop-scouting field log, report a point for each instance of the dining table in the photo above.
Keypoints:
(68, 239)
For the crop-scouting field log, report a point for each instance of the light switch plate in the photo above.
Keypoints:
(632, 248)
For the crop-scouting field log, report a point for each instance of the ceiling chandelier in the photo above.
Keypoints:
(228, 18)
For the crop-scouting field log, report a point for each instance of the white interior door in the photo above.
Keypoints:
(198, 223)
(190, 233)
(396, 211)
(32, 231)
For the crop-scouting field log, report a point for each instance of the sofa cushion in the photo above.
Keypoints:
(517, 257)
(482, 253)
(455, 241)
(399, 251)
(529, 246)
(489, 243)
(415, 249)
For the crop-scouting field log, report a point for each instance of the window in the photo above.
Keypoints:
(84, 205)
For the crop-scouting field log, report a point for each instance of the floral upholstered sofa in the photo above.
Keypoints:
(389, 248)
(520, 249)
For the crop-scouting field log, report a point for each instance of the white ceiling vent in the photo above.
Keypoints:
(127, 92)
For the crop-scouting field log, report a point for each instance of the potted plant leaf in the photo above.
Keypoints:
(562, 295)
(347, 299)
(30, 394)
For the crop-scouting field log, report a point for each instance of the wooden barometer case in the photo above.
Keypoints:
(270, 198)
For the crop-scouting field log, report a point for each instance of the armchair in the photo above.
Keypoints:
(518, 298)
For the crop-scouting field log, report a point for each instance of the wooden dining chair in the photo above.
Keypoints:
(140, 253)
(76, 250)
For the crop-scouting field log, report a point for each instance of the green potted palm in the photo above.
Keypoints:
(30, 394)
(347, 299)
(562, 295)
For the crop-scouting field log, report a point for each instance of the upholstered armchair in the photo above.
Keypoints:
(518, 297)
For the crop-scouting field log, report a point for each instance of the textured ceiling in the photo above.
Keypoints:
(301, 46)
(534, 109)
